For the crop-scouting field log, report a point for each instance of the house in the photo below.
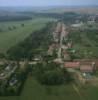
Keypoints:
(77, 25)
(7, 68)
(88, 68)
(13, 82)
(50, 50)
(2, 74)
(66, 56)
(74, 65)
(37, 58)
(52, 47)
(96, 64)
(84, 68)
(58, 61)
(87, 71)
(64, 47)
(69, 45)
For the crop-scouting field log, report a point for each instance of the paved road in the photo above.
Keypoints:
(57, 32)
(62, 36)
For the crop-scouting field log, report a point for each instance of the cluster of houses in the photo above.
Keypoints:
(83, 71)
(13, 81)
(93, 18)
(86, 68)
(7, 72)
(52, 47)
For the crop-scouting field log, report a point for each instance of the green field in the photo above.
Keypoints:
(9, 38)
(85, 41)
(34, 91)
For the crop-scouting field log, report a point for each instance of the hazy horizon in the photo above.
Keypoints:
(33, 3)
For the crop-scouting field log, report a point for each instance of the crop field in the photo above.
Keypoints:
(88, 92)
(12, 33)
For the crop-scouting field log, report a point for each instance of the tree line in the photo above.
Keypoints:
(36, 43)
(14, 18)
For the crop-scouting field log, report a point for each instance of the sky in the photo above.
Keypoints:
(47, 2)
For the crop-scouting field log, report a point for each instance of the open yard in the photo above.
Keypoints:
(15, 32)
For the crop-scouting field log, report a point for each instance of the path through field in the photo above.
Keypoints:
(78, 92)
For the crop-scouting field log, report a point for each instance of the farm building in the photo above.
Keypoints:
(83, 67)
(87, 68)
(74, 65)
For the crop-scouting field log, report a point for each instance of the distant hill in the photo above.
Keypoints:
(50, 9)
(78, 9)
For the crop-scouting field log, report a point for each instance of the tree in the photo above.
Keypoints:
(2, 55)
(22, 25)
(54, 77)
(1, 30)
(14, 27)
(50, 74)
(9, 28)
(15, 54)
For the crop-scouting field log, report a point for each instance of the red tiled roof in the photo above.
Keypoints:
(72, 64)
(86, 68)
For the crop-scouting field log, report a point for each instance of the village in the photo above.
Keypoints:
(82, 70)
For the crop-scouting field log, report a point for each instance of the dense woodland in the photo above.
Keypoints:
(50, 74)
(14, 18)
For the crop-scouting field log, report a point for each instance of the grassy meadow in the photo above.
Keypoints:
(14, 32)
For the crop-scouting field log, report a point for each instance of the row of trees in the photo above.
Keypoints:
(36, 43)
(10, 28)
(15, 18)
